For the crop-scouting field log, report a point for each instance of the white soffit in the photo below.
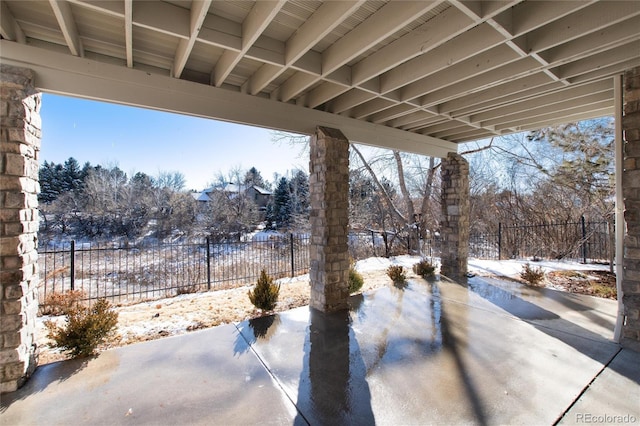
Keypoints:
(418, 76)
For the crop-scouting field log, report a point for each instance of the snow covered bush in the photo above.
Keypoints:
(265, 294)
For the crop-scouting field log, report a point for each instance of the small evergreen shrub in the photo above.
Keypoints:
(265, 294)
(424, 268)
(355, 280)
(396, 273)
(86, 328)
(533, 276)
(60, 303)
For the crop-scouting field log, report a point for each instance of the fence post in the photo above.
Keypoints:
(499, 240)
(373, 242)
(293, 266)
(584, 240)
(73, 265)
(208, 264)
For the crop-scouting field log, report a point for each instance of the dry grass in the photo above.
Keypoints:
(158, 318)
(593, 283)
(155, 319)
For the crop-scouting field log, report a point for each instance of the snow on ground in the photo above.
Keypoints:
(165, 317)
(511, 268)
(382, 263)
(505, 268)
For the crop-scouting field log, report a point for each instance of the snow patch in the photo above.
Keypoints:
(513, 267)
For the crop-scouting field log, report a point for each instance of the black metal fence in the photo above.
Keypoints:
(385, 244)
(127, 272)
(582, 241)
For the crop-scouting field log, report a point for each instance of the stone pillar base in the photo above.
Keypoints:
(631, 192)
(329, 192)
(19, 147)
(454, 226)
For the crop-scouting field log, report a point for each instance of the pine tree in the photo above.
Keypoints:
(253, 177)
(586, 164)
(299, 193)
(49, 182)
(72, 178)
(282, 204)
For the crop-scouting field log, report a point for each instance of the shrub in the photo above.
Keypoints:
(355, 280)
(533, 276)
(85, 329)
(397, 273)
(424, 268)
(187, 289)
(265, 295)
(603, 290)
(60, 303)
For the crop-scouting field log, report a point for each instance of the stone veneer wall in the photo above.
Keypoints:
(19, 146)
(631, 194)
(329, 192)
(454, 227)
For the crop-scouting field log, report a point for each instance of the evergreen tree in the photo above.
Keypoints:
(72, 179)
(299, 193)
(585, 167)
(253, 177)
(50, 175)
(282, 204)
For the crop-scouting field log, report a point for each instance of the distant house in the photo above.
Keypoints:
(201, 196)
(259, 195)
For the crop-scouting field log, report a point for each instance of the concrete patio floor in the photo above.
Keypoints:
(484, 352)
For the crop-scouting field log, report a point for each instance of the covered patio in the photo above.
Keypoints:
(415, 76)
(483, 352)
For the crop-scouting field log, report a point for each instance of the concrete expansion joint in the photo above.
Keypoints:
(586, 388)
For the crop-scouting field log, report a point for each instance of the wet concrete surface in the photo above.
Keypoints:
(480, 352)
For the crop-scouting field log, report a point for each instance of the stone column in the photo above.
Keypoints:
(329, 191)
(631, 194)
(19, 146)
(454, 227)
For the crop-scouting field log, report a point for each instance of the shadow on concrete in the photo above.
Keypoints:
(548, 322)
(451, 345)
(47, 375)
(333, 388)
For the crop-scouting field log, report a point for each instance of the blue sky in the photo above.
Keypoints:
(141, 140)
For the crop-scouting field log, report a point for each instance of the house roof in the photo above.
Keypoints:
(419, 76)
(200, 196)
(261, 190)
(236, 188)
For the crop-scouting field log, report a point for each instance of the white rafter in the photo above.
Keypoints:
(431, 34)
(258, 19)
(128, 31)
(453, 69)
(321, 23)
(67, 23)
(385, 21)
(9, 28)
(199, 9)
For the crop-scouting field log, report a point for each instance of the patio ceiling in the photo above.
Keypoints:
(417, 76)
